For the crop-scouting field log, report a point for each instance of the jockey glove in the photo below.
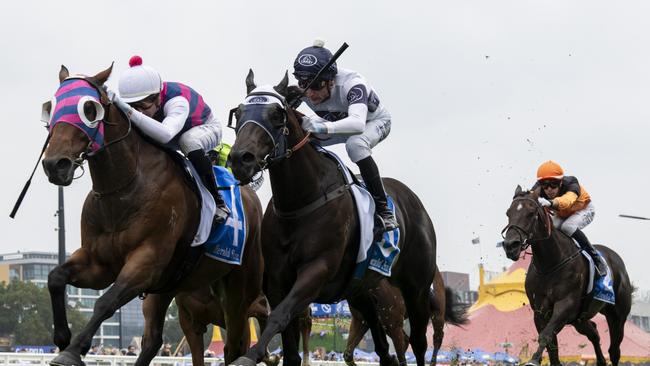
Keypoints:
(314, 124)
(113, 97)
(544, 202)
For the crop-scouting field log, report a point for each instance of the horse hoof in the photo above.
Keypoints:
(531, 363)
(272, 360)
(243, 361)
(67, 358)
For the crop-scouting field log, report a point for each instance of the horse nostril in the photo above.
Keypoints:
(63, 164)
(248, 158)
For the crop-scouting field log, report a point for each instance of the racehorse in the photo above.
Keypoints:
(557, 280)
(444, 308)
(201, 307)
(311, 231)
(137, 224)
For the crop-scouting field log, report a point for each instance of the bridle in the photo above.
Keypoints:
(277, 134)
(526, 238)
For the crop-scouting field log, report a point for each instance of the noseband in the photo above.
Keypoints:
(528, 237)
(253, 113)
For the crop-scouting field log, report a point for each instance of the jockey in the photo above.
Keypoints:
(174, 115)
(348, 111)
(571, 204)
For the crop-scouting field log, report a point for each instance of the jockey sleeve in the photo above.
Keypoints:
(565, 201)
(353, 124)
(176, 111)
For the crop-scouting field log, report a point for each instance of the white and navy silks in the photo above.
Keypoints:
(353, 114)
(185, 125)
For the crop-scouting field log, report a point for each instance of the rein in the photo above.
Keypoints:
(528, 237)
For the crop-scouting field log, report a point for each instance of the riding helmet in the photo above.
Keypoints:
(550, 170)
(311, 60)
(138, 81)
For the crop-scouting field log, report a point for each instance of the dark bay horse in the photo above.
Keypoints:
(137, 224)
(557, 279)
(311, 230)
(444, 309)
(198, 308)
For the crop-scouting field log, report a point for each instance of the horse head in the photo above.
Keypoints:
(265, 126)
(76, 118)
(527, 222)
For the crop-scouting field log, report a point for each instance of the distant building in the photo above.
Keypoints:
(34, 267)
(459, 282)
(640, 314)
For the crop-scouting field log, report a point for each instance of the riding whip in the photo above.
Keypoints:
(29, 181)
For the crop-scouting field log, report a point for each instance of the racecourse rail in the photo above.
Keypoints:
(29, 359)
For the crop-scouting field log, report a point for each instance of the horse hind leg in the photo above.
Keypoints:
(154, 309)
(588, 328)
(358, 329)
(616, 325)
(553, 352)
(437, 301)
(419, 312)
(391, 311)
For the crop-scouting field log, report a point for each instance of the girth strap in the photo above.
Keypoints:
(329, 196)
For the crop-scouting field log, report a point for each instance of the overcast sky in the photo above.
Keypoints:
(481, 93)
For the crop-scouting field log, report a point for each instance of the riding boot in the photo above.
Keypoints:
(370, 175)
(581, 238)
(203, 166)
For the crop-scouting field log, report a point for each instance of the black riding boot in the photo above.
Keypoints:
(581, 238)
(370, 175)
(203, 166)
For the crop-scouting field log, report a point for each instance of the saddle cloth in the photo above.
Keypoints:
(227, 242)
(224, 242)
(600, 287)
(381, 256)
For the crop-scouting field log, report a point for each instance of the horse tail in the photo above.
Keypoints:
(455, 312)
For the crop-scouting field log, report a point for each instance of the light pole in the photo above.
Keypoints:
(61, 214)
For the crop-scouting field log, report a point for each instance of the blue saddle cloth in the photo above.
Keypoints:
(382, 254)
(603, 289)
(226, 242)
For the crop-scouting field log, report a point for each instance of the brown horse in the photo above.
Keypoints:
(136, 227)
(557, 280)
(444, 308)
(201, 307)
(311, 230)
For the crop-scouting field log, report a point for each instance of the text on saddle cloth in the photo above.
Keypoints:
(381, 256)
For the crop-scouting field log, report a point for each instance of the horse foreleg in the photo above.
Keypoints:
(134, 279)
(80, 272)
(154, 309)
(307, 286)
(553, 352)
(588, 329)
(562, 312)
(56, 283)
(290, 337)
(304, 323)
(358, 329)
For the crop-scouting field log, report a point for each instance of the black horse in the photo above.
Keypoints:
(557, 279)
(311, 231)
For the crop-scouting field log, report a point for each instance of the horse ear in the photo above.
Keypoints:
(103, 75)
(282, 86)
(536, 192)
(518, 190)
(250, 81)
(63, 73)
